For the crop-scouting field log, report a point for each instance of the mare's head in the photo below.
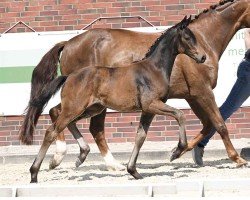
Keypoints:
(186, 41)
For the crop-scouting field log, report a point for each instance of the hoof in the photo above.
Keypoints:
(242, 165)
(56, 160)
(115, 166)
(135, 174)
(175, 153)
(78, 163)
(33, 181)
(53, 164)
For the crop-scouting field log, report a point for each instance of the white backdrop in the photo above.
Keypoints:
(26, 49)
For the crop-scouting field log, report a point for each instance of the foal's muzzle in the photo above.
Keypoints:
(201, 58)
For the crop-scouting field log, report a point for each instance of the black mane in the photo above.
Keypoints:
(158, 40)
(212, 7)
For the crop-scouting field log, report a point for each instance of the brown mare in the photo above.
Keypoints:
(144, 85)
(213, 29)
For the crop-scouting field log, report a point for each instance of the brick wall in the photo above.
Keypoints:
(55, 15)
(121, 127)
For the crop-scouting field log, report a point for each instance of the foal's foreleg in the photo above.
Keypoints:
(160, 108)
(145, 121)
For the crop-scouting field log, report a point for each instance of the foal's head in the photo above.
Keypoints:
(186, 41)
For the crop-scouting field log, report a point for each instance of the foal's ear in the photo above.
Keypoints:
(185, 22)
(189, 20)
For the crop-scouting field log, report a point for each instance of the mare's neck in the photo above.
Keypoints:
(215, 29)
(164, 55)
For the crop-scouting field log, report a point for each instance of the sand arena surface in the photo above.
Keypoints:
(153, 171)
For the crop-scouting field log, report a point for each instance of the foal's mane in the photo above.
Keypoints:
(158, 40)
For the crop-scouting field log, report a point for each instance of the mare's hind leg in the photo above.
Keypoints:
(97, 130)
(61, 148)
(84, 147)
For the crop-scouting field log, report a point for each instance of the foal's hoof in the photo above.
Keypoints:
(33, 181)
(135, 174)
(175, 153)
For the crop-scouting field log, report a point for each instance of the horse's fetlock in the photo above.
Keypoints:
(85, 150)
(182, 145)
(233, 156)
(33, 169)
(130, 169)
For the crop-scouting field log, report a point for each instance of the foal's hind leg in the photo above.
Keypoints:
(67, 115)
(61, 144)
(96, 129)
(50, 136)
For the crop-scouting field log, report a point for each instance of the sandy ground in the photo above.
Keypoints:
(153, 171)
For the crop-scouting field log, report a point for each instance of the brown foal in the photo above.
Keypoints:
(142, 86)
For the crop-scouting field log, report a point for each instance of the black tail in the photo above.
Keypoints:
(43, 77)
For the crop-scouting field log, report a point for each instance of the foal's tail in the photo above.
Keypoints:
(43, 77)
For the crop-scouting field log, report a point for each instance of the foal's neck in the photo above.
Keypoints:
(164, 54)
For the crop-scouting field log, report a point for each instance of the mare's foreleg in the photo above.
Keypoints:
(214, 119)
